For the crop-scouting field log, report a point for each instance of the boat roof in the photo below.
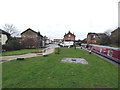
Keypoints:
(116, 48)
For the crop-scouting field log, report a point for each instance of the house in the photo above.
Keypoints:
(47, 40)
(4, 37)
(84, 40)
(115, 36)
(92, 37)
(32, 39)
(58, 40)
(69, 36)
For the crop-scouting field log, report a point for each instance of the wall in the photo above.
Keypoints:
(72, 37)
(4, 39)
(91, 38)
(30, 39)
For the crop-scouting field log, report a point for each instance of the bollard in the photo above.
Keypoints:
(90, 52)
(20, 58)
(81, 47)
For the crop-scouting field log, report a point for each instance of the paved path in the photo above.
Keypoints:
(50, 49)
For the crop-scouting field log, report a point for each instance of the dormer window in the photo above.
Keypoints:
(69, 35)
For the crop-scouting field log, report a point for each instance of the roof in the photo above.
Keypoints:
(91, 33)
(115, 48)
(116, 30)
(99, 34)
(85, 39)
(38, 33)
(28, 30)
(69, 33)
(4, 32)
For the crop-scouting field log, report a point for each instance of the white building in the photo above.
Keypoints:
(4, 36)
(119, 14)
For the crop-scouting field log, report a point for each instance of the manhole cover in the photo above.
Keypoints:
(74, 60)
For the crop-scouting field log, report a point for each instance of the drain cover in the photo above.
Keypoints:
(74, 60)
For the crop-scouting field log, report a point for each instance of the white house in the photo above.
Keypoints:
(4, 36)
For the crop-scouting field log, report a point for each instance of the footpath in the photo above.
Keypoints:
(46, 51)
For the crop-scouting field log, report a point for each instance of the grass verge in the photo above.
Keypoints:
(23, 51)
(49, 72)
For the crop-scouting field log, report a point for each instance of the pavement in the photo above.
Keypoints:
(50, 49)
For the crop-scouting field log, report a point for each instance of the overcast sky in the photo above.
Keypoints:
(55, 17)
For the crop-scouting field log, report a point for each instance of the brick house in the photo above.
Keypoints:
(92, 37)
(46, 40)
(31, 39)
(115, 36)
(84, 40)
(69, 36)
(58, 40)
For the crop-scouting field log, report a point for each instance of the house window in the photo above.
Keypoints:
(110, 53)
(68, 38)
(69, 35)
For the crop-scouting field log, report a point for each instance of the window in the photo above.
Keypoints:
(89, 47)
(100, 50)
(110, 53)
(68, 38)
(69, 35)
(92, 47)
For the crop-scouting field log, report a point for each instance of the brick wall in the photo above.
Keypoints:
(31, 39)
(70, 37)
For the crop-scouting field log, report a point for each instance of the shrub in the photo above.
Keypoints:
(57, 51)
(12, 44)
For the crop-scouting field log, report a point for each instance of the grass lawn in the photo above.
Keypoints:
(22, 51)
(49, 72)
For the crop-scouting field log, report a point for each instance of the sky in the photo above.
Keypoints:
(54, 18)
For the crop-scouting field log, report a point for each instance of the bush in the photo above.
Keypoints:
(12, 44)
(57, 51)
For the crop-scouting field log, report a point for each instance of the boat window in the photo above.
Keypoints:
(89, 47)
(110, 53)
(100, 50)
(92, 48)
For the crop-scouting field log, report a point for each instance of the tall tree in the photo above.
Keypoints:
(10, 28)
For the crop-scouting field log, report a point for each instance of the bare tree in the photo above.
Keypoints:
(10, 28)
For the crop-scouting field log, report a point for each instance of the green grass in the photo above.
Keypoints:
(22, 51)
(49, 72)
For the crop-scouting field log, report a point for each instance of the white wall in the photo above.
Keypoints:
(119, 14)
(4, 39)
(47, 41)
